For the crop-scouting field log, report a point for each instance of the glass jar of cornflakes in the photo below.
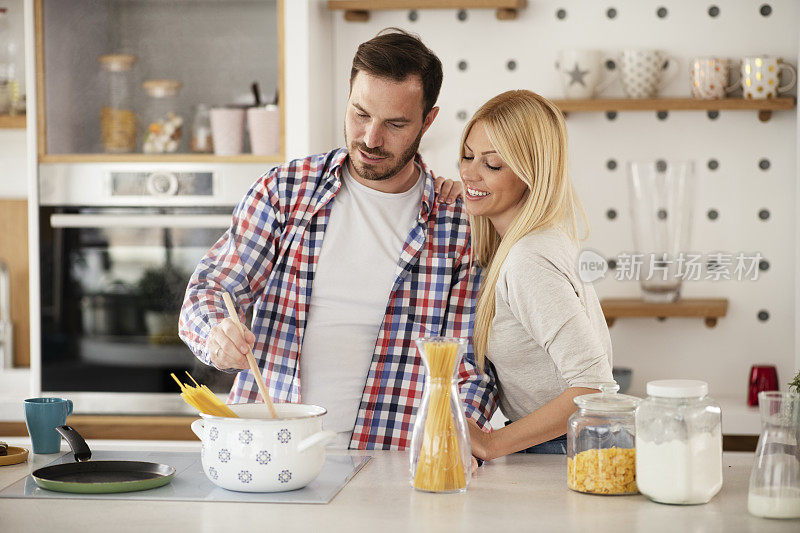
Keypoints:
(118, 122)
(601, 455)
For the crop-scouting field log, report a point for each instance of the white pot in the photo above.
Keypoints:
(254, 453)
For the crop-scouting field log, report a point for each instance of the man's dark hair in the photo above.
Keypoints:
(397, 54)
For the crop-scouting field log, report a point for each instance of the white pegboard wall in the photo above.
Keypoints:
(476, 52)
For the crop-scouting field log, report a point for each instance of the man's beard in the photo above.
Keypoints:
(368, 173)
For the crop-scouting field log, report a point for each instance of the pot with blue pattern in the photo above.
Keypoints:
(255, 453)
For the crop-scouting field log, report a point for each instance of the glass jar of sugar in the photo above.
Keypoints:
(678, 443)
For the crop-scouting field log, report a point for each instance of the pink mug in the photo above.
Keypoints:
(227, 130)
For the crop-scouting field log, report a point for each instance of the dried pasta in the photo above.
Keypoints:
(439, 468)
(201, 398)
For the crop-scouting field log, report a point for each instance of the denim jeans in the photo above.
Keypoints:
(556, 446)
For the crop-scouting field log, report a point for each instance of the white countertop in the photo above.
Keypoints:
(518, 492)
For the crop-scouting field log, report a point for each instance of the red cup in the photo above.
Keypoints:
(762, 378)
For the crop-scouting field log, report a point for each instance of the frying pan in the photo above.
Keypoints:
(93, 477)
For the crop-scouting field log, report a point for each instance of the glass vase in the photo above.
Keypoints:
(662, 203)
(441, 455)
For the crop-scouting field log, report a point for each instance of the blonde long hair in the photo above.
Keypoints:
(529, 133)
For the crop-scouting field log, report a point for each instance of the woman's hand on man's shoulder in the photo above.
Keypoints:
(448, 190)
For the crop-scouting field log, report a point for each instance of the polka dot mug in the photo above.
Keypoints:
(646, 72)
(761, 77)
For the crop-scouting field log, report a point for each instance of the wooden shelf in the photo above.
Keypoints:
(159, 158)
(708, 308)
(17, 122)
(764, 107)
(358, 10)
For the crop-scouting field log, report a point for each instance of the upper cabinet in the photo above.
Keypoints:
(135, 80)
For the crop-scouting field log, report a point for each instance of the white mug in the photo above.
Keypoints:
(645, 72)
(709, 77)
(582, 71)
(761, 75)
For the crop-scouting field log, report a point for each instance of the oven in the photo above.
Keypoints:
(117, 244)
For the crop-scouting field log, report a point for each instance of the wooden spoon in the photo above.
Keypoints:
(250, 359)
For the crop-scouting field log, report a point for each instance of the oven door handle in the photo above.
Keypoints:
(139, 221)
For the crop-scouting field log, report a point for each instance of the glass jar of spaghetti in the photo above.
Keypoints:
(118, 122)
(601, 456)
(440, 452)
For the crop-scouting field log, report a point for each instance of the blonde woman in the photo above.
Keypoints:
(536, 323)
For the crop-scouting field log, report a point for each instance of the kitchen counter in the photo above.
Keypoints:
(519, 492)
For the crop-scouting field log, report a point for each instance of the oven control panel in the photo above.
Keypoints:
(162, 183)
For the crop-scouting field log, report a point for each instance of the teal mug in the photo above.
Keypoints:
(42, 415)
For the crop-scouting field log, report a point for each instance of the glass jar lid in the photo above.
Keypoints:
(162, 88)
(607, 400)
(677, 388)
(117, 62)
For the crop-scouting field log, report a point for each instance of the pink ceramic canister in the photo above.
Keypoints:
(264, 124)
(227, 129)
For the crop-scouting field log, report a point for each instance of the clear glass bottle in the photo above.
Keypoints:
(441, 455)
(163, 126)
(775, 479)
(678, 443)
(201, 140)
(601, 456)
(118, 122)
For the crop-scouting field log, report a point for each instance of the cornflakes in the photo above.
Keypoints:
(606, 471)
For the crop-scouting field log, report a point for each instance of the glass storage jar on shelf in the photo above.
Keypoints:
(678, 443)
(9, 82)
(201, 140)
(118, 122)
(601, 457)
(163, 126)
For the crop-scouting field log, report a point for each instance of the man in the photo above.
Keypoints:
(345, 259)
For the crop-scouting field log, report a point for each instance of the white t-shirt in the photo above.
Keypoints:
(354, 276)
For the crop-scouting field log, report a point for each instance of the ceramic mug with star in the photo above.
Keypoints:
(584, 73)
(761, 76)
(646, 72)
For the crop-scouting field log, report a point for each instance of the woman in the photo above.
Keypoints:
(536, 323)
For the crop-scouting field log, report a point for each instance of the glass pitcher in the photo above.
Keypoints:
(775, 479)
(441, 454)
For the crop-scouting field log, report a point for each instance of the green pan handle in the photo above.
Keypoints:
(76, 443)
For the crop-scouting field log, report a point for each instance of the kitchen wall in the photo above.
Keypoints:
(754, 162)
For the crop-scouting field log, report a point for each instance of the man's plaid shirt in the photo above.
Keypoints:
(266, 261)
